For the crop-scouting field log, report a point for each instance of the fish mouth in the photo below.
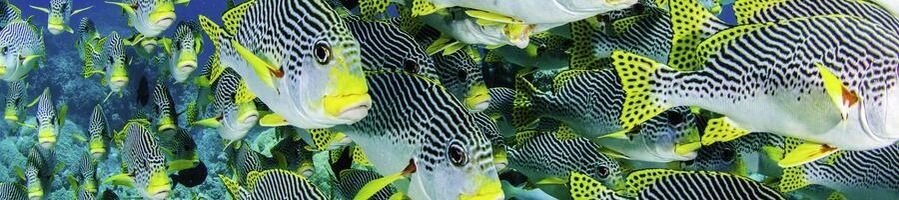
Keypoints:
(163, 19)
(166, 127)
(350, 107)
(55, 29)
(487, 191)
(160, 194)
(46, 138)
(11, 118)
(2, 70)
(118, 81)
(187, 66)
(477, 99)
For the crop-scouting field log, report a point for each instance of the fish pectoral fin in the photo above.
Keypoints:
(209, 122)
(28, 60)
(440, 44)
(42, 9)
(842, 96)
(272, 120)
(120, 180)
(552, 181)
(401, 196)
(178, 165)
(684, 149)
(721, 130)
(621, 135)
(492, 17)
(79, 137)
(262, 68)
(793, 179)
(125, 8)
(614, 154)
(81, 10)
(376, 185)
(19, 173)
(806, 152)
(182, 2)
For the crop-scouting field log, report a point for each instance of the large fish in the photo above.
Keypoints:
(308, 71)
(149, 17)
(21, 48)
(60, 12)
(527, 11)
(416, 128)
(143, 161)
(819, 82)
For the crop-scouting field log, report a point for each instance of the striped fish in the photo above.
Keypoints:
(527, 11)
(350, 181)
(99, 134)
(89, 42)
(809, 71)
(205, 82)
(49, 123)
(111, 58)
(22, 48)
(39, 171)
(670, 184)
(184, 50)
(9, 13)
(552, 156)
(750, 12)
(272, 184)
(15, 104)
(501, 100)
(12, 191)
(180, 147)
(164, 107)
(308, 71)
(849, 171)
(234, 112)
(60, 11)
(674, 135)
(242, 160)
(415, 125)
(144, 163)
(84, 182)
(459, 73)
(385, 46)
(149, 17)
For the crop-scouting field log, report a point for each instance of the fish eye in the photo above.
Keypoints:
(411, 67)
(462, 75)
(457, 154)
(322, 52)
(602, 171)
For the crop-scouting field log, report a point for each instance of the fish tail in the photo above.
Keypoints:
(524, 113)
(584, 187)
(793, 179)
(694, 23)
(638, 76)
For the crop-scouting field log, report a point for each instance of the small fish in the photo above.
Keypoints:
(21, 48)
(15, 105)
(350, 181)
(149, 17)
(233, 108)
(848, 171)
(548, 158)
(821, 100)
(528, 11)
(386, 46)
(89, 42)
(461, 76)
(180, 149)
(39, 171)
(99, 134)
(84, 181)
(144, 163)
(307, 83)
(272, 184)
(144, 46)
(242, 160)
(60, 12)
(674, 135)
(164, 106)
(13, 191)
(113, 61)
(184, 50)
(671, 184)
(191, 177)
(407, 111)
(50, 121)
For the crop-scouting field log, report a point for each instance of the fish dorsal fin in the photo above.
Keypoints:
(369, 9)
(217, 69)
(359, 157)
(581, 54)
(233, 16)
(621, 25)
(423, 7)
(721, 130)
(321, 137)
(523, 136)
(639, 180)
(523, 115)
(214, 31)
(233, 188)
(747, 9)
(583, 187)
(243, 95)
(793, 179)
(565, 76)
(696, 23)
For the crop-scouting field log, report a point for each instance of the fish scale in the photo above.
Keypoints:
(274, 184)
(417, 122)
(12, 191)
(749, 12)
(385, 46)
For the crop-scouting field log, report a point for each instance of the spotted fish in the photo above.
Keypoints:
(308, 71)
(21, 48)
(60, 12)
(418, 129)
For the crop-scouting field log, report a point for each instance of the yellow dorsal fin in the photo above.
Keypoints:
(566, 133)
(583, 187)
(793, 179)
(745, 10)
(639, 180)
(721, 130)
(243, 95)
(233, 188)
(621, 25)
(231, 19)
(640, 103)
(423, 7)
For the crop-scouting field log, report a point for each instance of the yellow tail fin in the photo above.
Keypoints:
(636, 73)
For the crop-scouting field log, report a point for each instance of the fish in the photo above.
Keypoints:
(461, 76)
(749, 12)
(13, 191)
(99, 134)
(149, 17)
(50, 120)
(350, 181)
(109, 195)
(164, 106)
(184, 50)
(844, 171)
(417, 129)
(84, 181)
(15, 104)
(40, 168)
(113, 61)
(501, 102)
(671, 184)
(21, 48)
(306, 83)
(825, 104)
(180, 149)
(548, 158)
(60, 11)
(191, 177)
(674, 135)
(89, 42)
(234, 111)
(144, 163)
(385, 46)
(272, 184)
(9, 13)
(242, 160)
(144, 46)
